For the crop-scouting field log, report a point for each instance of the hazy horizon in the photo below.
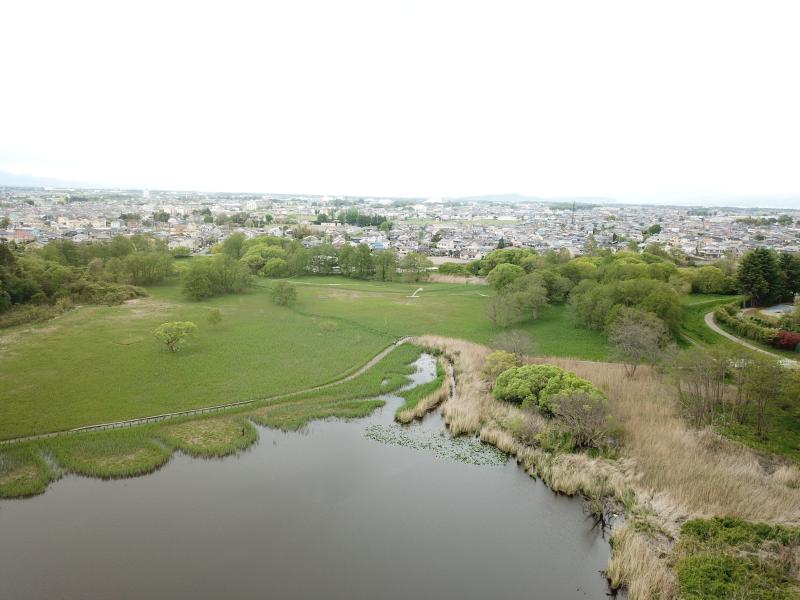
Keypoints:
(675, 103)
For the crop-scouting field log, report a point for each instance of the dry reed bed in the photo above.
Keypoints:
(666, 474)
(431, 401)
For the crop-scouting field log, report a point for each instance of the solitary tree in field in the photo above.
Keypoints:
(284, 293)
(174, 333)
(637, 337)
(214, 317)
(415, 267)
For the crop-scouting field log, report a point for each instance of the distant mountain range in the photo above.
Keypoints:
(782, 201)
(14, 180)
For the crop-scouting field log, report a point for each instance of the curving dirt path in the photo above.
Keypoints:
(709, 319)
(207, 409)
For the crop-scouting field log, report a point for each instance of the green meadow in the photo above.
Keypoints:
(28, 467)
(98, 364)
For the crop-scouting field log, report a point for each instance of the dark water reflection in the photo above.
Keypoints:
(323, 514)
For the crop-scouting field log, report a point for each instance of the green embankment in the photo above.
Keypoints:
(27, 468)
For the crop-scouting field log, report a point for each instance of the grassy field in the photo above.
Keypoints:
(27, 468)
(100, 364)
(446, 309)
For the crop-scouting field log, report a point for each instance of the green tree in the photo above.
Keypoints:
(385, 265)
(415, 266)
(759, 277)
(498, 362)
(502, 310)
(362, 262)
(284, 293)
(174, 333)
(232, 246)
(528, 293)
(503, 275)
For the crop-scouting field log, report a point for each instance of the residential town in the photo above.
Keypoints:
(444, 229)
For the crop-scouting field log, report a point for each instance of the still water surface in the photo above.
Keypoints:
(327, 513)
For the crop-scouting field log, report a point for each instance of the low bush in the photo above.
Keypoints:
(538, 386)
(787, 340)
(728, 316)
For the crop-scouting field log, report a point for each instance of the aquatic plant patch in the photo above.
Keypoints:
(463, 449)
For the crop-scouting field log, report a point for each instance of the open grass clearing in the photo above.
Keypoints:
(449, 309)
(102, 364)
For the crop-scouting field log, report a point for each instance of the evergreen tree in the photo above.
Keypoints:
(759, 277)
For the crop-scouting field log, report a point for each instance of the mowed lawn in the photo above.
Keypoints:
(100, 364)
(446, 309)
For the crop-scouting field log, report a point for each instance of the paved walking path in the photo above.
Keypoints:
(709, 318)
(208, 409)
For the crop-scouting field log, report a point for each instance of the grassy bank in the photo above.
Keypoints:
(695, 307)
(144, 448)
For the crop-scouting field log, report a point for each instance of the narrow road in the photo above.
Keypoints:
(709, 318)
(207, 409)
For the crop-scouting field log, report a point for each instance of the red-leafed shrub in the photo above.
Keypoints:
(787, 340)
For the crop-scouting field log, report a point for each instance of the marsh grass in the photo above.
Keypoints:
(210, 436)
(23, 472)
(295, 415)
(110, 454)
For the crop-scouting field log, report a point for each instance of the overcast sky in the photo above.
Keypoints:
(634, 100)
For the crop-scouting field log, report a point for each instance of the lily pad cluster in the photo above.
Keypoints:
(462, 449)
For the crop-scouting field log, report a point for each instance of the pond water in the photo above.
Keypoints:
(327, 513)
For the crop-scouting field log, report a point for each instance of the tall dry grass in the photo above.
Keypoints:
(667, 471)
(688, 472)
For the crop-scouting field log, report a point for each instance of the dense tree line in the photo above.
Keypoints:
(352, 216)
(271, 256)
(95, 273)
(599, 285)
(766, 277)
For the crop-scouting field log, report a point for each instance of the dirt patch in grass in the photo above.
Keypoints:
(211, 437)
(119, 461)
(346, 295)
(140, 308)
(24, 473)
